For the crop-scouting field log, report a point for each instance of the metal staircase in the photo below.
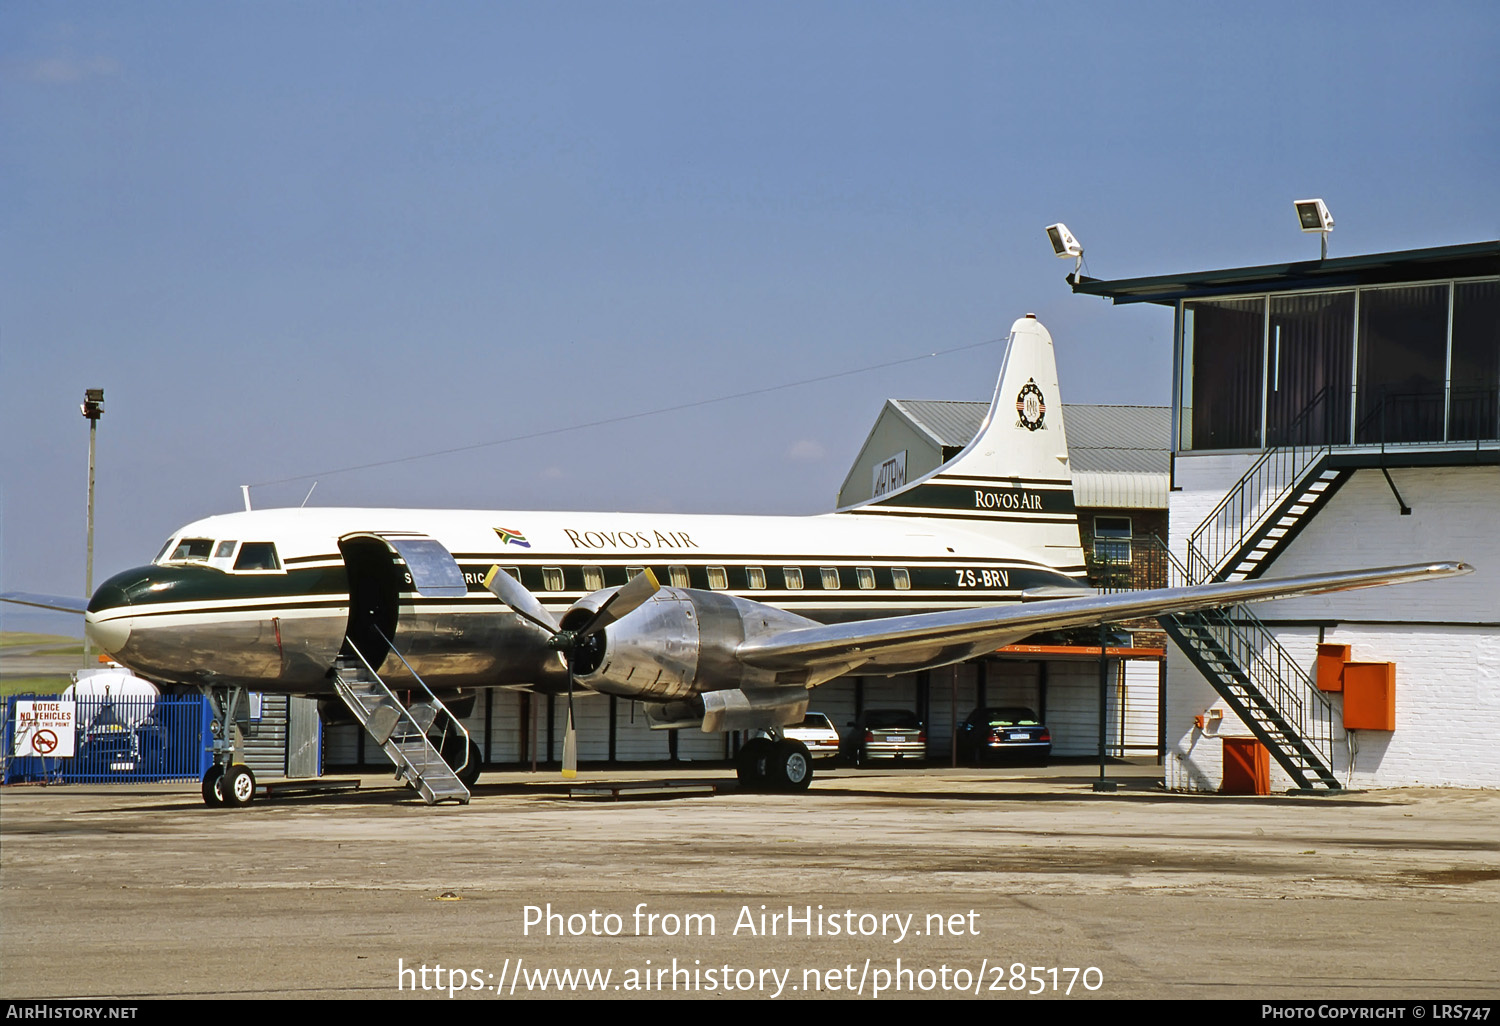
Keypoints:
(1264, 510)
(1265, 687)
(1247, 667)
(1242, 660)
(406, 732)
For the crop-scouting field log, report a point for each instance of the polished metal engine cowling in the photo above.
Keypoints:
(682, 643)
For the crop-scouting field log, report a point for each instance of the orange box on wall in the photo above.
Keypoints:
(1247, 767)
(1331, 660)
(1369, 696)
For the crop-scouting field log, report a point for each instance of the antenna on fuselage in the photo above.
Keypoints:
(245, 491)
(308, 495)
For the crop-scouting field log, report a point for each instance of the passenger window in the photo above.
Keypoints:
(901, 579)
(192, 550)
(552, 578)
(593, 578)
(514, 571)
(257, 556)
(756, 577)
(793, 576)
(830, 578)
(865, 576)
(632, 572)
(718, 579)
(678, 576)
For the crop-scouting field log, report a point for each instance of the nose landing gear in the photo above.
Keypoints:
(226, 783)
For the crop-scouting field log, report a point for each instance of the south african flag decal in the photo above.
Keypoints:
(509, 537)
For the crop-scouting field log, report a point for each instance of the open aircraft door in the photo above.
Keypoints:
(380, 566)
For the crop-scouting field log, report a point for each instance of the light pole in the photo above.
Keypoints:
(93, 409)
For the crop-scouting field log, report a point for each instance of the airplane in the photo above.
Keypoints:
(718, 623)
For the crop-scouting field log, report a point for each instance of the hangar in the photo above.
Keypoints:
(1333, 414)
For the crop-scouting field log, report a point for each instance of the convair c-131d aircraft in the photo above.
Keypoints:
(721, 623)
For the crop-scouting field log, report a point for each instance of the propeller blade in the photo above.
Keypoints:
(526, 605)
(636, 592)
(570, 743)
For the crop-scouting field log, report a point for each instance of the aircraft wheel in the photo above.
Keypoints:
(789, 767)
(238, 786)
(751, 764)
(213, 787)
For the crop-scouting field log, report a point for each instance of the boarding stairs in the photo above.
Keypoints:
(412, 735)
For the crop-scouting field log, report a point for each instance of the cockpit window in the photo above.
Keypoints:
(258, 556)
(165, 548)
(225, 550)
(191, 550)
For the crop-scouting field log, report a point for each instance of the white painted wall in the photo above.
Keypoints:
(1443, 636)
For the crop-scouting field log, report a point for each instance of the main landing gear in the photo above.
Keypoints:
(226, 783)
(774, 764)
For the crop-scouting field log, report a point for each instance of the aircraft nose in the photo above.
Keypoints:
(107, 621)
(107, 635)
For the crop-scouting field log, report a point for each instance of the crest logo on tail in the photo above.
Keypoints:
(1031, 407)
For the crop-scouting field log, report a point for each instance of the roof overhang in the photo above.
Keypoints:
(1472, 260)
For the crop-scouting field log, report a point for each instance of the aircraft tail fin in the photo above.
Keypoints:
(1013, 480)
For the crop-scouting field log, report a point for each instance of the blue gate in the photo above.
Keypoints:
(120, 739)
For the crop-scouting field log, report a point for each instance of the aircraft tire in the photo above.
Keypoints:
(213, 787)
(789, 767)
(752, 762)
(238, 786)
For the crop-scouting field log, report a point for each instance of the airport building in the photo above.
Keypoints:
(1327, 415)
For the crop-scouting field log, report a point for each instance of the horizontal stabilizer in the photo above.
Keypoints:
(61, 603)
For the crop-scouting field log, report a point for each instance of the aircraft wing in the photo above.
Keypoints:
(59, 602)
(942, 635)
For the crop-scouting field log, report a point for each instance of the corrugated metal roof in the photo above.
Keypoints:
(1119, 491)
(1101, 439)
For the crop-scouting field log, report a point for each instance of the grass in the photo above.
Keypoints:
(50, 684)
(15, 639)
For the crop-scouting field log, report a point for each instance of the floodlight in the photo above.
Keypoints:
(93, 403)
(1065, 245)
(1063, 242)
(1314, 216)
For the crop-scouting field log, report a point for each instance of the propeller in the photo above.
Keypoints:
(577, 642)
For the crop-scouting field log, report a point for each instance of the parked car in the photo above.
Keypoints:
(881, 734)
(818, 734)
(1004, 733)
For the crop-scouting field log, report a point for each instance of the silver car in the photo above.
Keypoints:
(886, 734)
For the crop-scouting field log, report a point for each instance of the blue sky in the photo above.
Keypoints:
(289, 238)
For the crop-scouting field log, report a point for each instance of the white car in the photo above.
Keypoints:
(817, 733)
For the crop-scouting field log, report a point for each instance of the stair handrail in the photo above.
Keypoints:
(1312, 713)
(437, 702)
(403, 715)
(1260, 656)
(1243, 510)
(1245, 507)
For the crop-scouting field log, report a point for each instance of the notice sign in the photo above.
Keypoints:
(44, 728)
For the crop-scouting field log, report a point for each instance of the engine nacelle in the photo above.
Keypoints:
(731, 709)
(679, 644)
